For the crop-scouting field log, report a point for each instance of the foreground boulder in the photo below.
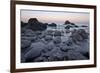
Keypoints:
(34, 52)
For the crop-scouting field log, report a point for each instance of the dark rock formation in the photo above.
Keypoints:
(23, 24)
(57, 33)
(35, 51)
(67, 22)
(74, 55)
(57, 40)
(52, 25)
(35, 25)
(25, 43)
(84, 26)
(68, 27)
(38, 45)
(79, 35)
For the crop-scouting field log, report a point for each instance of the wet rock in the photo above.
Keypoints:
(57, 40)
(48, 38)
(49, 32)
(40, 59)
(78, 36)
(35, 25)
(83, 33)
(25, 43)
(74, 55)
(52, 25)
(68, 27)
(49, 47)
(57, 33)
(67, 22)
(35, 51)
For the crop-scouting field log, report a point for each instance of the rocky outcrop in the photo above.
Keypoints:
(67, 22)
(41, 45)
(52, 25)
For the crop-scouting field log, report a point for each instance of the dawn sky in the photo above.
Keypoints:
(55, 17)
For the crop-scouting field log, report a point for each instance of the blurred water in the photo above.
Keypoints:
(61, 27)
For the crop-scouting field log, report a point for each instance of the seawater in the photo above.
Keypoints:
(61, 27)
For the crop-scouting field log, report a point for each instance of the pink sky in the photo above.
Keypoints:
(55, 17)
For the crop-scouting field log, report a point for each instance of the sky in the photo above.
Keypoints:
(58, 17)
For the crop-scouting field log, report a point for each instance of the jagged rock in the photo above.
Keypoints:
(67, 22)
(72, 23)
(57, 33)
(57, 40)
(68, 27)
(74, 55)
(53, 55)
(48, 38)
(35, 25)
(40, 59)
(29, 32)
(25, 43)
(52, 25)
(49, 47)
(83, 33)
(49, 32)
(35, 51)
(23, 24)
(84, 26)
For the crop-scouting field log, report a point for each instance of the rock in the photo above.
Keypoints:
(35, 51)
(52, 25)
(40, 59)
(72, 24)
(67, 22)
(68, 27)
(66, 48)
(83, 47)
(57, 33)
(74, 55)
(49, 47)
(49, 32)
(35, 25)
(53, 55)
(79, 36)
(84, 26)
(23, 24)
(48, 38)
(83, 33)
(25, 43)
(57, 40)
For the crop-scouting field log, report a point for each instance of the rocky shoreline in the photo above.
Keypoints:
(41, 45)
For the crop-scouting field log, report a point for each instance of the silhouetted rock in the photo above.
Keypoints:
(67, 22)
(52, 25)
(72, 23)
(84, 26)
(49, 32)
(40, 59)
(68, 27)
(23, 24)
(35, 25)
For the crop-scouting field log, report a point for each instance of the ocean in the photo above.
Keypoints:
(61, 27)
